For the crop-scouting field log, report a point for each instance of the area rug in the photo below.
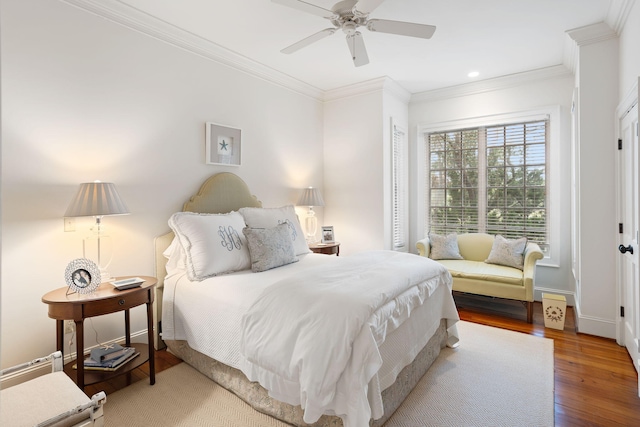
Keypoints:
(494, 378)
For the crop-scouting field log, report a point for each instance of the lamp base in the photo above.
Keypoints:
(311, 226)
(105, 276)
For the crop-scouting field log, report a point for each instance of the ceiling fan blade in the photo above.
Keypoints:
(401, 28)
(357, 49)
(306, 7)
(307, 41)
(367, 6)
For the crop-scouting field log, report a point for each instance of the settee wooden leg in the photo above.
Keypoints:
(529, 311)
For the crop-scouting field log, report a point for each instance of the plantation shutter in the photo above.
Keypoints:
(399, 190)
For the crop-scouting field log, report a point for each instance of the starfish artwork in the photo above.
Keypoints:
(224, 145)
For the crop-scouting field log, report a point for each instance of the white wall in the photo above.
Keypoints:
(553, 88)
(357, 146)
(85, 99)
(629, 46)
(597, 84)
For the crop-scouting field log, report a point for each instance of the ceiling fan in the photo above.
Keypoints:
(347, 16)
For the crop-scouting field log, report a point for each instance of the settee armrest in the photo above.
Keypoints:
(532, 254)
(423, 246)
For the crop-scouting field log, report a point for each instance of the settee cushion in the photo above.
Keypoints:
(444, 247)
(508, 252)
(479, 270)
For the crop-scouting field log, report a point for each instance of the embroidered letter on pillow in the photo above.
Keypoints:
(213, 243)
(507, 252)
(444, 247)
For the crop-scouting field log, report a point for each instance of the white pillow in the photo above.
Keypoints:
(270, 217)
(507, 252)
(269, 247)
(176, 259)
(213, 243)
(444, 247)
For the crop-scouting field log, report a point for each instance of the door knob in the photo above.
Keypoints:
(624, 249)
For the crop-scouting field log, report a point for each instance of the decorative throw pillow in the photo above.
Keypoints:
(269, 247)
(444, 247)
(213, 243)
(270, 217)
(507, 252)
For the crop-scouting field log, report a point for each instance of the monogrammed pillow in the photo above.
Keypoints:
(213, 243)
(444, 247)
(507, 252)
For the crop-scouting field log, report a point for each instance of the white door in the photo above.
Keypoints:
(629, 240)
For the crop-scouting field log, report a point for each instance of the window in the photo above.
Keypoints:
(399, 189)
(489, 179)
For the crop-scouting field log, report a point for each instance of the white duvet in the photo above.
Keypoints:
(314, 340)
(209, 316)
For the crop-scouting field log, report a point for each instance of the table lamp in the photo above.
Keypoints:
(311, 197)
(97, 199)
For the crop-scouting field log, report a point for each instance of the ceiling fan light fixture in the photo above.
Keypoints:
(348, 15)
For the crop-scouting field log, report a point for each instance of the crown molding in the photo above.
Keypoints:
(619, 11)
(380, 84)
(489, 85)
(144, 23)
(584, 36)
(591, 34)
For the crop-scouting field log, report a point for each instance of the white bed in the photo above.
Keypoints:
(398, 336)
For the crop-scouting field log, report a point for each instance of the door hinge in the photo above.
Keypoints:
(621, 311)
(620, 228)
(619, 144)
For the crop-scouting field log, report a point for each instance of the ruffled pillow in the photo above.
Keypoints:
(444, 247)
(507, 252)
(270, 217)
(212, 243)
(269, 247)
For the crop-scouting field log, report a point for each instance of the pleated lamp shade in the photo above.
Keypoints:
(310, 197)
(96, 199)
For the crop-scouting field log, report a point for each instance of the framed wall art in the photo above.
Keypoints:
(223, 145)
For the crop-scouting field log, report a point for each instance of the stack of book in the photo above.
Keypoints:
(109, 357)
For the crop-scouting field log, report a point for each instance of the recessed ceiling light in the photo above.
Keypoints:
(473, 74)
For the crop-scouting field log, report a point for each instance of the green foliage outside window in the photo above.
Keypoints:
(490, 180)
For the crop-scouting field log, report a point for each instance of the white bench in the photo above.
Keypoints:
(49, 400)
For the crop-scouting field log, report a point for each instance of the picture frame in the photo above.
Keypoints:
(82, 276)
(327, 234)
(223, 145)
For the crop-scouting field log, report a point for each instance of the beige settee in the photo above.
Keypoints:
(473, 275)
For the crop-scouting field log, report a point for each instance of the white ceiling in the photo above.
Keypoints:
(494, 37)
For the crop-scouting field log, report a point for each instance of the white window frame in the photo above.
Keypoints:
(552, 113)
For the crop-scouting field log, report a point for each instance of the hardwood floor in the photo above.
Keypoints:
(595, 381)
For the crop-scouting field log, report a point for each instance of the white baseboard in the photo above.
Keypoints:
(591, 325)
(570, 296)
(45, 368)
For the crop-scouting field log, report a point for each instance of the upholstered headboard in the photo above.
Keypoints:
(221, 193)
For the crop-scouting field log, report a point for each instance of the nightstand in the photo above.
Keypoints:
(326, 248)
(104, 300)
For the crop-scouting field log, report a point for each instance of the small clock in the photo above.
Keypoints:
(82, 275)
